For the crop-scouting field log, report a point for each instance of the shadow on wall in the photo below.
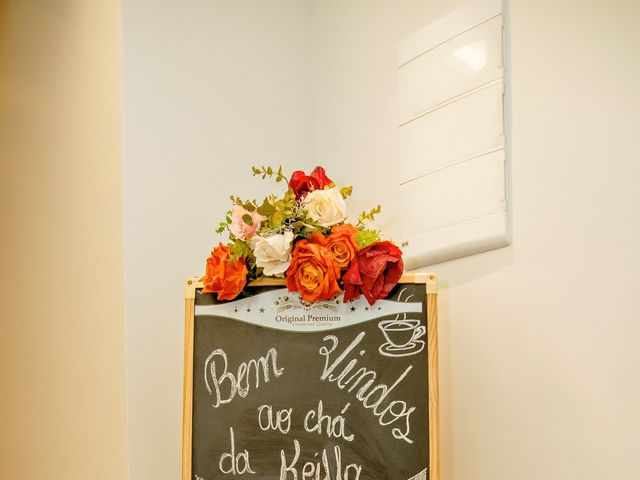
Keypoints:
(468, 269)
(455, 273)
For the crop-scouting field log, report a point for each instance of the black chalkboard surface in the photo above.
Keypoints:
(279, 389)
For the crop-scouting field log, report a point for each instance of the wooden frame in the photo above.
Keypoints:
(429, 279)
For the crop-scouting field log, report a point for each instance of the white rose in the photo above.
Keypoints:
(326, 207)
(273, 254)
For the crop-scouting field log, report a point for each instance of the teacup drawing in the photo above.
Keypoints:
(402, 337)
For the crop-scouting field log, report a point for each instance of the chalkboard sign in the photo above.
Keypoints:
(279, 389)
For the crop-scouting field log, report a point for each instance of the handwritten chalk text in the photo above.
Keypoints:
(372, 397)
(223, 385)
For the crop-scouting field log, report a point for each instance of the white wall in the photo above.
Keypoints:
(540, 371)
(210, 88)
(62, 367)
(355, 87)
(540, 365)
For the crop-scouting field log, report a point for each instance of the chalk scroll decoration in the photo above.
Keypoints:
(292, 301)
(421, 476)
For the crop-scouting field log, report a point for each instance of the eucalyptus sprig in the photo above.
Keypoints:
(368, 216)
(346, 191)
(249, 205)
(268, 171)
(222, 226)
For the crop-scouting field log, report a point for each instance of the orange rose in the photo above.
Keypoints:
(312, 271)
(342, 244)
(225, 278)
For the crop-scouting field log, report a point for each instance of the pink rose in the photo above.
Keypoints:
(244, 223)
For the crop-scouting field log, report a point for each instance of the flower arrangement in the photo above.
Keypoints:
(303, 237)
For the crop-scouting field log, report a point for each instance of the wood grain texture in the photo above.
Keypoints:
(187, 396)
(434, 389)
(430, 279)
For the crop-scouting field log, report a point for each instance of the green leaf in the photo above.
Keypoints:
(239, 249)
(266, 209)
(277, 218)
(246, 218)
(365, 238)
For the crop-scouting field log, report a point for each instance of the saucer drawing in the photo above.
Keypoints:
(411, 348)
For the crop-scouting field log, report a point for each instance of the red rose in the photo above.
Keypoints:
(223, 277)
(374, 272)
(302, 184)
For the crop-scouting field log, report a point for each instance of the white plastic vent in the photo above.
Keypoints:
(452, 136)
